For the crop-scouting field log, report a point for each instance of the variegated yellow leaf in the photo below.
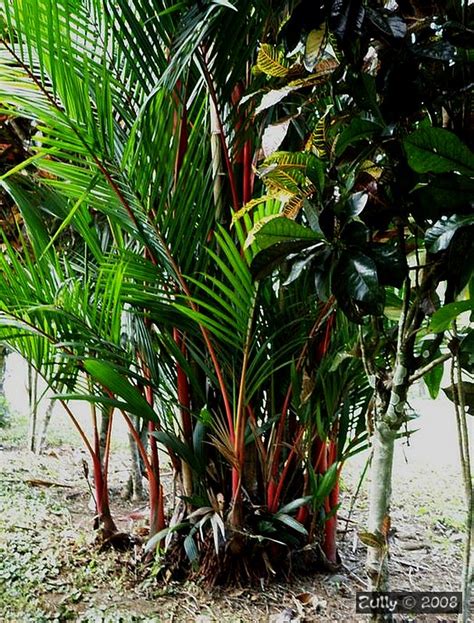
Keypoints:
(314, 47)
(270, 61)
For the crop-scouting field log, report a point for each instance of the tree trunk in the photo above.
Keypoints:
(44, 428)
(33, 407)
(3, 364)
(134, 489)
(379, 505)
(389, 418)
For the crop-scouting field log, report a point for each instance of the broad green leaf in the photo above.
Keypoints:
(436, 150)
(391, 25)
(433, 379)
(446, 193)
(392, 267)
(282, 230)
(355, 233)
(106, 374)
(358, 130)
(267, 260)
(356, 285)
(356, 203)
(443, 317)
(325, 485)
(438, 237)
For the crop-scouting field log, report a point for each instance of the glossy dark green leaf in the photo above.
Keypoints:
(437, 150)
(298, 263)
(444, 194)
(438, 237)
(356, 203)
(323, 270)
(357, 287)
(355, 233)
(358, 130)
(392, 267)
(278, 238)
(388, 23)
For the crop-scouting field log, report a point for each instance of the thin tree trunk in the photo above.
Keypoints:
(383, 444)
(44, 428)
(134, 489)
(387, 424)
(33, 407)
(3, 365)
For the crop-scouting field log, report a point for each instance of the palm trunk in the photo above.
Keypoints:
(106, 524)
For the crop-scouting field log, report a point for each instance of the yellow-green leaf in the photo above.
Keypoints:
(270, 61)
(314, 47)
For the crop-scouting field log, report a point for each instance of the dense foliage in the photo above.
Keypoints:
(234, 223)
